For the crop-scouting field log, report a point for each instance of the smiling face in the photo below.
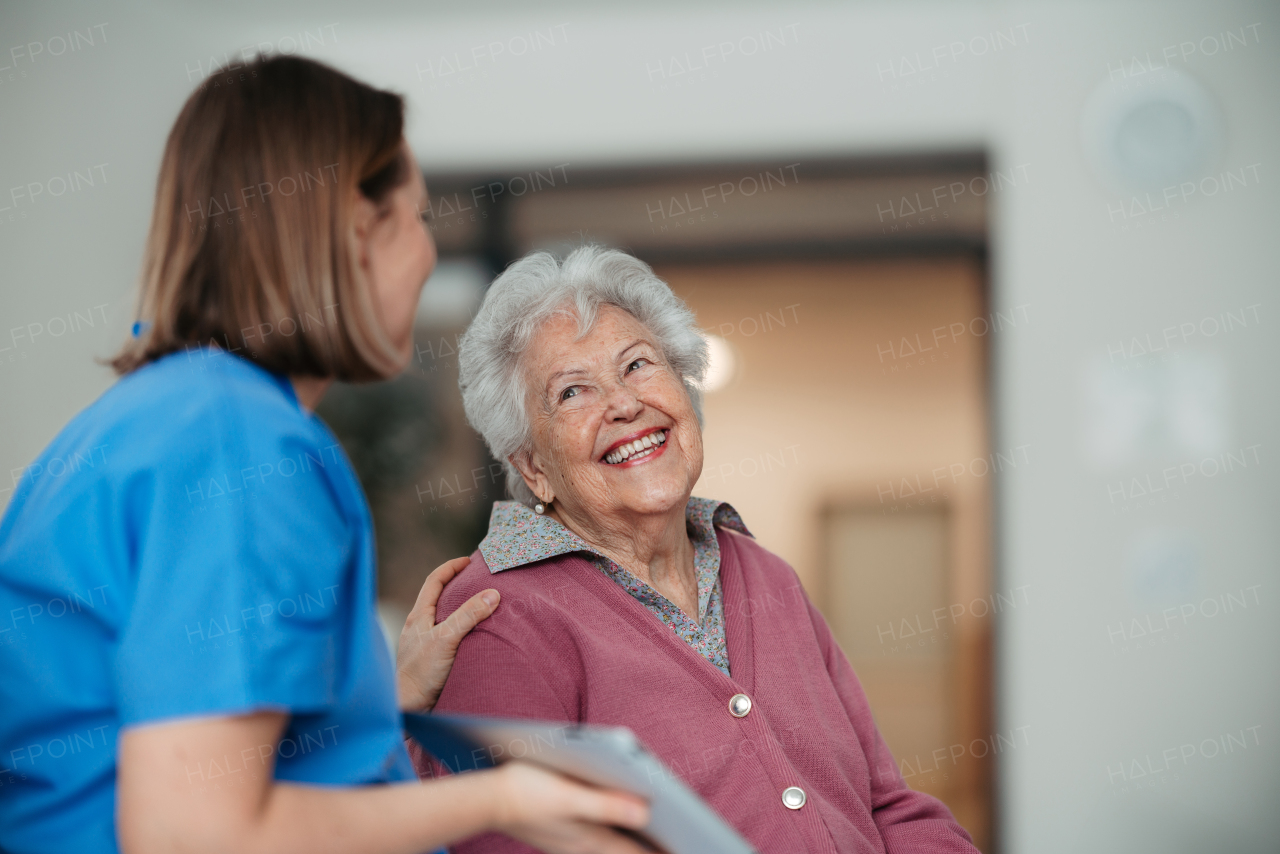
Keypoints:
(398, 254)
(614, 432)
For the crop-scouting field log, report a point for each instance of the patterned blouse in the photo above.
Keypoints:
(518, 536)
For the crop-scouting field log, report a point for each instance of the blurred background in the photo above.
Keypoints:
(990, 289)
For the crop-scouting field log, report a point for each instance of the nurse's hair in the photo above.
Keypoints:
(252, 243)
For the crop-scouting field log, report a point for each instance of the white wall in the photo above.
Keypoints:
(1094, 700)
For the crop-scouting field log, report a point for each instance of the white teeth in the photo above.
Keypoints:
(639, 448)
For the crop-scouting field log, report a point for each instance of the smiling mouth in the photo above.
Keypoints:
(638, 449)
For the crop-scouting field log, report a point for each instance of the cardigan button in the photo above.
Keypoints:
(739, 705)
(793, 797)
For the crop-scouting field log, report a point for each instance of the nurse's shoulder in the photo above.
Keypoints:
(192, 423)
(202, 389)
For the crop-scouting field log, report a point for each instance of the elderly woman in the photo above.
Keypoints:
(627, 602)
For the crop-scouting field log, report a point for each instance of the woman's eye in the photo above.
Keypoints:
(571, 391)
(637, 364)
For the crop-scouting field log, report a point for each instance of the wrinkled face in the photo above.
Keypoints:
(614, 431)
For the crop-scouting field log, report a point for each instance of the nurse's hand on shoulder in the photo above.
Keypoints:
(426, 651)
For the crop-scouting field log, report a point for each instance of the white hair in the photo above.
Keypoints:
(523, 298)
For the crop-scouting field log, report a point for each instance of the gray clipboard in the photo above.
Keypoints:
(680, 821)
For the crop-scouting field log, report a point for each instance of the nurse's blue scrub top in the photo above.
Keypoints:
(193, 543)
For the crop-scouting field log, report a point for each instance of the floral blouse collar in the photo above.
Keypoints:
(518, 536)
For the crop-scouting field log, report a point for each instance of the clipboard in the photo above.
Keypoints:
(611, 757)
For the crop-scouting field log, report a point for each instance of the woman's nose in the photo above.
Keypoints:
(623, 403)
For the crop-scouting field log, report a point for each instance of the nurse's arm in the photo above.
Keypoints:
(161, 807)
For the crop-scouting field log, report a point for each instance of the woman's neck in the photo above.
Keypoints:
(653, 547)
(310, 390)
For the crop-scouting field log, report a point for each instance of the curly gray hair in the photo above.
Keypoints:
(523, 298)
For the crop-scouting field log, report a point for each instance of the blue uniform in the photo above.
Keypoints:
(194, 543)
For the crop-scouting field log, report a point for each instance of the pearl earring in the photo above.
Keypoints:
(539, 508)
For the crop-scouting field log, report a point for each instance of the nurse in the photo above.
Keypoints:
(189, 654)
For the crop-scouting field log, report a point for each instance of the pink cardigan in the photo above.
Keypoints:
(568, 644)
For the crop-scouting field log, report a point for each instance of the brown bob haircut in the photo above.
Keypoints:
(252, 245)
